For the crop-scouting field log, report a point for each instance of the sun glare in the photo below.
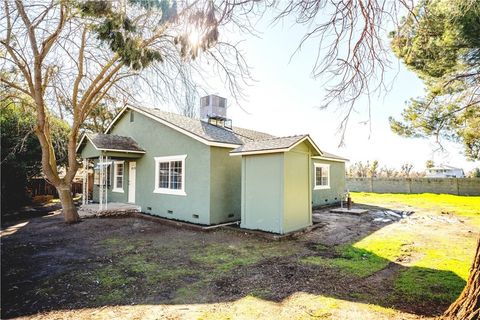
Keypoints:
(194, 37)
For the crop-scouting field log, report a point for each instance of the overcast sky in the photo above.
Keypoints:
(284, 100)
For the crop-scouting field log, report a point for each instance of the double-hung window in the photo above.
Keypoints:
(118, 168)
(322, 176)
(170, 175)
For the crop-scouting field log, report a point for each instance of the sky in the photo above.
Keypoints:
(284, 100)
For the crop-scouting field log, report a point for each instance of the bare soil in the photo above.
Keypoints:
(49, 266)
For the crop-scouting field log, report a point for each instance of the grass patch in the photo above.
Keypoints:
(225, 257)
(417, 284)
(465, 206)
(352, 260)
(365, 257)
(262, 293)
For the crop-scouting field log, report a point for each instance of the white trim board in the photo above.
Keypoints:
(158, 160)
(115, 176)
(323, 166)
(329, 159)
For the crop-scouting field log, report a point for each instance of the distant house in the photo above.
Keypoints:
(444, 171)
(209, 172)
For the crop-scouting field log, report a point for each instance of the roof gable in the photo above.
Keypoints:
(110, 142)
(275, 145)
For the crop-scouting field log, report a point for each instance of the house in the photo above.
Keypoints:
(209, 172)
(444, 171)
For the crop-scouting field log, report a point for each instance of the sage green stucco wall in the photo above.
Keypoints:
(225, 187)
(298, 211)
(88, 150)
(159, 140)
(262, 192)
(337, 184)
(276, 190)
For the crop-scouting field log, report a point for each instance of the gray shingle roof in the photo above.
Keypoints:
(206, 130)
(269, 144)
(114, 142)
(331, 155)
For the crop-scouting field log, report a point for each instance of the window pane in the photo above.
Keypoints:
(176, 175)
(163, 175)
(324, 181)
(119, 182)
(118, 167)
(318, 176)
(325, 173)
(108, 174)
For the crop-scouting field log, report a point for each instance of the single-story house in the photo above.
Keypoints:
(444, 171)
(208, 172)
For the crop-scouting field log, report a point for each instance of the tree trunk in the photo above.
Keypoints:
(70, 213)
(467, 306)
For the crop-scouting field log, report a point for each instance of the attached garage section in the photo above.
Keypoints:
(276, 184)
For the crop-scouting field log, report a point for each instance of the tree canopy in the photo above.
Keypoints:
(21, 153)
(440, 42)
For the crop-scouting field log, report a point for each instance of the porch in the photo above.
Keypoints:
(111, 209)
(112, 160)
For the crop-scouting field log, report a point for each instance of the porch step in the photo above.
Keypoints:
(113, 209)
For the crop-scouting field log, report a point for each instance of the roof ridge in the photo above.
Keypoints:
(235, 132)
(291, 136)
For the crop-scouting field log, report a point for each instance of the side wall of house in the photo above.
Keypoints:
(225, 192)
(298, 211)
(263, 192)
(159, 140)
(337, 184)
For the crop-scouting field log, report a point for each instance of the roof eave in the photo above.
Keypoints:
(331, 159)
(246, 153)
(120, 150)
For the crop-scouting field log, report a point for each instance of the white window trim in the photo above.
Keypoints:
(178, 192)
(327, 168)
(115, 175)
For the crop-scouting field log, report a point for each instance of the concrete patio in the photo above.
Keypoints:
(113, 209)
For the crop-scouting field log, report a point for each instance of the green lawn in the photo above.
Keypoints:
(466, 206)
(436, 247)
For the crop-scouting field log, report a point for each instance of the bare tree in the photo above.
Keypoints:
(76, 55)
(350, 36)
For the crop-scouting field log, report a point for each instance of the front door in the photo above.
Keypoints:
(131, 181)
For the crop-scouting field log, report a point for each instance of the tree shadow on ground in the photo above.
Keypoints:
(47, 265)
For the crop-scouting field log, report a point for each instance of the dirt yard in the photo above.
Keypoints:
(352, 268)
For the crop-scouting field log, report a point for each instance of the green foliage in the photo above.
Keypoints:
(121, 33)
(475, 173)
(21, 152)
(429, 164)
(440, 42)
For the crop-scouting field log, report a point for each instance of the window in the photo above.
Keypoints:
(118, 176)
(170, 175)
(96, 174)
(132, 116)
(322, 176)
